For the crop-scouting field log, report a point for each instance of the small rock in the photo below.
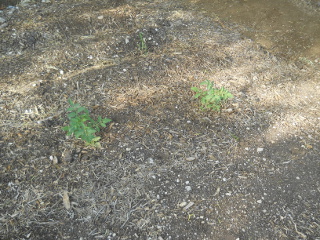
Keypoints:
(188, 188)
(2, 20)
(54, 159)
(100, 17)
(190, 159)
(259, 149)
(127, 39)
(183, 204)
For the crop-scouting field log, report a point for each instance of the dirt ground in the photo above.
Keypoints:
(165, 169)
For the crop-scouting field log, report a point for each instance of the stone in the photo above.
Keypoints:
(259, 149)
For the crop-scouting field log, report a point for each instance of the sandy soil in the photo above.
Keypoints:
(165, 169)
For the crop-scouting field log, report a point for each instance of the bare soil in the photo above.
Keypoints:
(165, 169)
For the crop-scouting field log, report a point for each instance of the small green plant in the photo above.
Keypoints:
(82, 125)
(142, 43)
(211, 98)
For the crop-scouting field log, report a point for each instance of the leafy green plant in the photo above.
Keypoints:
(142, 43)
(82, 125)
(211, 98)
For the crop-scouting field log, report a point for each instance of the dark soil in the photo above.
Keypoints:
(165, 169)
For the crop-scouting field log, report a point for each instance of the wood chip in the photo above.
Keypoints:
(67, 156)
(190, 204)
(66, 200)
(217, 192)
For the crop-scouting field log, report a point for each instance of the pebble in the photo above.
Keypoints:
(54, 159)
(188, 188)
(127, 40)
(183, 204)
(259, 149)
(190, 159)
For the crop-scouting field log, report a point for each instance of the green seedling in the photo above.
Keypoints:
(82, 125)
(211, 98)
(235, 137)
(142, 43)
